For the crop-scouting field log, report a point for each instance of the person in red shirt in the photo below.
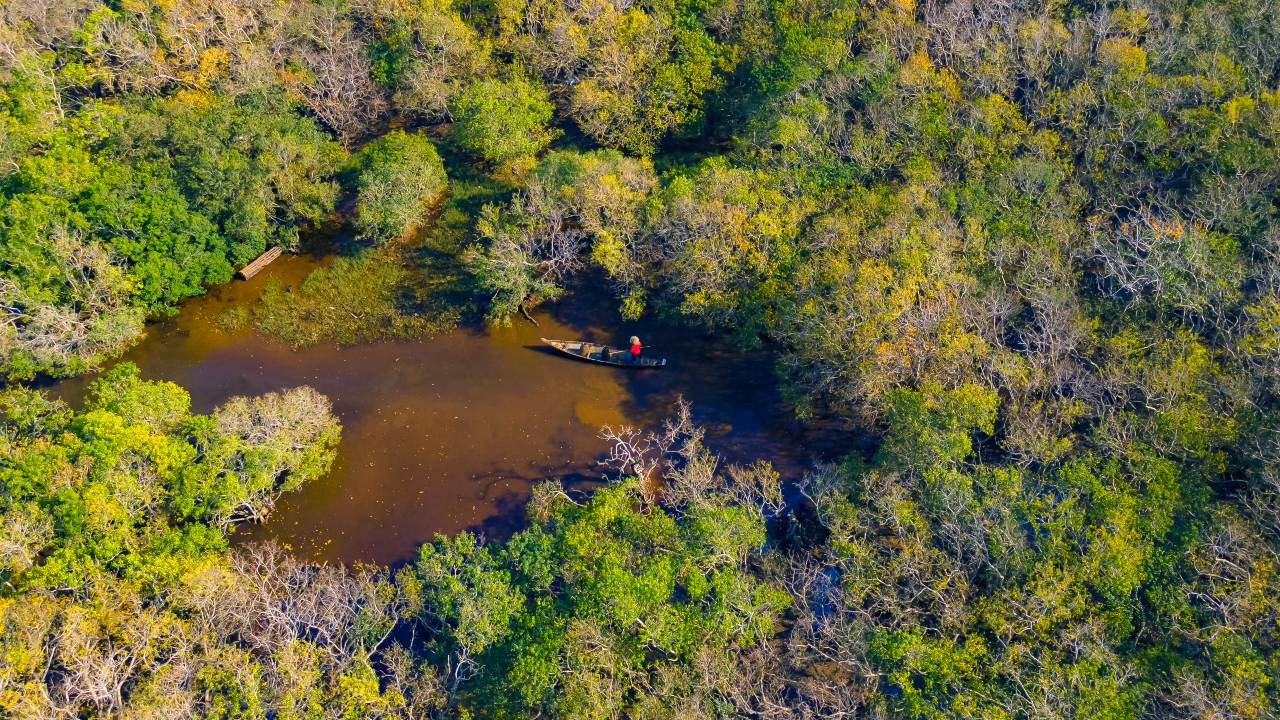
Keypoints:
(636, 347)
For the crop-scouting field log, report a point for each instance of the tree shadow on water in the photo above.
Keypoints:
(437, 282)
(508, 508)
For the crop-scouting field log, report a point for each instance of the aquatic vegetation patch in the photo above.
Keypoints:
(356, 299)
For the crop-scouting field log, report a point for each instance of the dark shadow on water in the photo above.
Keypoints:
(507, 517)
(508, 506)
(733, 391)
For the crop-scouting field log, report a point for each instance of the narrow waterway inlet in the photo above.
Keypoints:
(450, 432)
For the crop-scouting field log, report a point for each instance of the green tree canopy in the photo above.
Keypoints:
(398, 177)
(503, 122)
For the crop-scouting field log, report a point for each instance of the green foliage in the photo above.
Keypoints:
(807, 41)
(993, 590)
(28, 109)
(397, 177)
(616, 593)
(604, 194)
(503, 122)
(629, 76)
(934, 426)
(137, 212)
(67, 305)
(879, 303)
(255, 167)
(731, 233)
(469, 594)
(391, 53)
(127, 208)
(519, 264)
(1033, 249)
(136, 486)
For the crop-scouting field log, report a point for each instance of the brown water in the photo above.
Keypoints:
(449, 433)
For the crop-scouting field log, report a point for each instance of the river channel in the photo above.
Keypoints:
(450, 432)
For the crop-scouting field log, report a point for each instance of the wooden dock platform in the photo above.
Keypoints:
(260, 262)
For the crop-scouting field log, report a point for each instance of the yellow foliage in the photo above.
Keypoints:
(1237, 106)
(633, 304)
(904, 8)
(1263, 338)
(1131, 21)
(1127, 57)
(608, 252)
(194, 98)
(212, 61)
(948, 84)
(917, 70)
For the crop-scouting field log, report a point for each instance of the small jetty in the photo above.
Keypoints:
(260, 262)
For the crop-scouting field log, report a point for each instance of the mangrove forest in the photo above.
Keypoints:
(643, 359)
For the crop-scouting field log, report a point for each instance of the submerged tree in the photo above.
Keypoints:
(528, 250)
(398, 177)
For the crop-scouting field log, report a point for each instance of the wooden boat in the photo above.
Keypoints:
(603, 354)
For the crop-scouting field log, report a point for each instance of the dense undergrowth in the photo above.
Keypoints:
(1034, 247)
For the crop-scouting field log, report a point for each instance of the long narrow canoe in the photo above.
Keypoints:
(603, 354)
